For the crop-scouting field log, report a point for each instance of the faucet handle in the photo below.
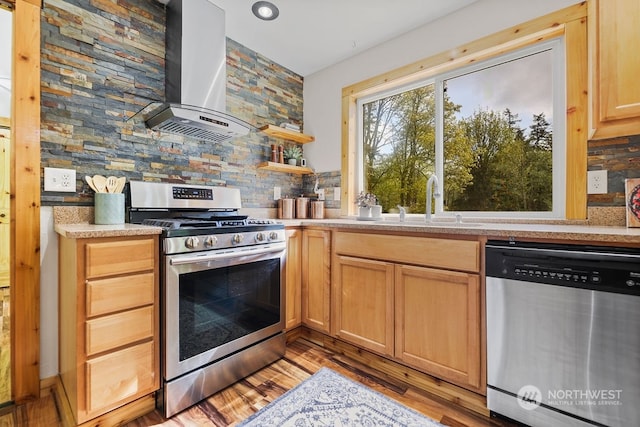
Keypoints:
(403, 212)
(458, 218)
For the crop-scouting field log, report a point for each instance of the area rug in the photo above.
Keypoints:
(329, 399)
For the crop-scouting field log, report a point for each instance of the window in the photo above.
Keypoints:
(492, 132)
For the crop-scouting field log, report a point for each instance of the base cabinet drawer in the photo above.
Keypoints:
(106, 296)
(119, 257)
(116, 330)
(120, 375)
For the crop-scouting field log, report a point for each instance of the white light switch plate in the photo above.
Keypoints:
(597, 182)
(336, 194)
(63, 180)
(277, 194)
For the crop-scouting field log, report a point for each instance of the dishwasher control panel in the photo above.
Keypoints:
(561, 274)
(590, 267)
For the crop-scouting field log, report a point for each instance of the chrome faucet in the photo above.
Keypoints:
(403, 213)
(432, 182)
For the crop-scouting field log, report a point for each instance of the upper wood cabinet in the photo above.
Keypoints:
(316, 279)
(614, 35)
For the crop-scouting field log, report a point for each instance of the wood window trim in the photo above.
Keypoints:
(25, 202)
(570, 22)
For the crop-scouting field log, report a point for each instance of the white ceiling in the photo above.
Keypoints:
(310, 35)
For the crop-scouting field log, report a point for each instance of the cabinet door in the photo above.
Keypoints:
(293, 279)
(438, 322)
(614, 31)
(5, 201)
(316, 278)
(363, 303)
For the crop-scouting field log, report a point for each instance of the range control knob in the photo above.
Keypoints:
(273, 235)
(260, 237)
(210, 241)
(191, 242)
(237, 238)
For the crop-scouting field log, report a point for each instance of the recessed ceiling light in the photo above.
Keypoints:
(265, 10)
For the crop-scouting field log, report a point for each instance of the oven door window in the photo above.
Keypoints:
(220, 305)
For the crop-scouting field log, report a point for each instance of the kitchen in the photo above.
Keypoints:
(63, 137)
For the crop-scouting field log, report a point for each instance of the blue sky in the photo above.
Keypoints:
(523, 86)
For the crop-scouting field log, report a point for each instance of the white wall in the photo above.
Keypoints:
(323, 89)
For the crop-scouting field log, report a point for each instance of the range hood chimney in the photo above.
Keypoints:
(195, 75)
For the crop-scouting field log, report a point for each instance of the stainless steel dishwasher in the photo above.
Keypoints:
(563, 334)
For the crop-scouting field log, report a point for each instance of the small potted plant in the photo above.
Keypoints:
(292, 154)
(365, 202)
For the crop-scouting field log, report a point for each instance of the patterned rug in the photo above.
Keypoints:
(329, 399)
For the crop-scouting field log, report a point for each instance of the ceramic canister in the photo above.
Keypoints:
(109, 208)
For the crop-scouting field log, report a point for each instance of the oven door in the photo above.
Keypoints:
(219, 302)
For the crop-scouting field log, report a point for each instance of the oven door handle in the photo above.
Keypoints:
(279, 247)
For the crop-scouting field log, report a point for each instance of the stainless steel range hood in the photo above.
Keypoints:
(195, 75)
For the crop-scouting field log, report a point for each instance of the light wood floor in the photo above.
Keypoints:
(247, 396)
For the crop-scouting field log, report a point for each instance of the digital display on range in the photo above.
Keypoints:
(192, 193)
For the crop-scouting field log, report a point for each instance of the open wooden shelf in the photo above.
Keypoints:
(290, 135)
(283, 167)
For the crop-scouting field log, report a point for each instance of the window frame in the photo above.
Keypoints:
(557, 48)
(569, 23)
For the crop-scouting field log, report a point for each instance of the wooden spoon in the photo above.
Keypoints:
(112, 184)
(90, 182)
(121, 181)
(100, 182)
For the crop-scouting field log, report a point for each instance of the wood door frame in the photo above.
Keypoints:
(25, 202)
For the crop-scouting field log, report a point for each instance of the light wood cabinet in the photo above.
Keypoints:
(416, 299)
(109, 320)
(363, 303)
(437, 316)
(293, 278)
(614, 33)
(5, 201)
(316, 279)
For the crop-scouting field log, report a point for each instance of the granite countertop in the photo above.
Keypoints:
(74, 222)
(86, 230)
(567, 231)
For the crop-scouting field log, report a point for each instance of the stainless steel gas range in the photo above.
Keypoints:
(222, 294)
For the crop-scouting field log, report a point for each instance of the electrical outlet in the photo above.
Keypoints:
(277, 194)
(61, 180)
(597, 182)
(336, 194)
(320, 193)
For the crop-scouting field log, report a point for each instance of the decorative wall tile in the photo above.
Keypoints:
(103, 61)
(621, 158)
